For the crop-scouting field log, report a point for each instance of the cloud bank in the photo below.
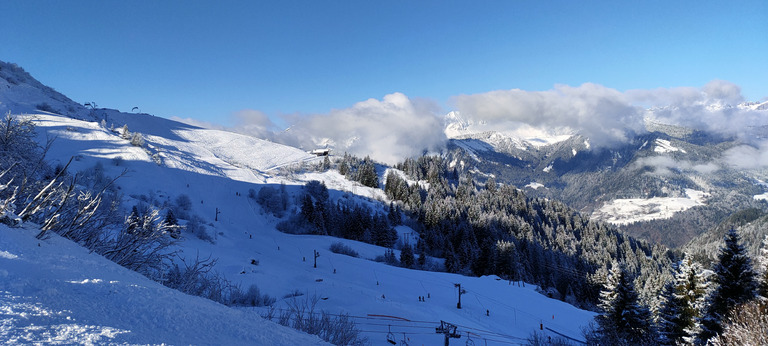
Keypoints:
(396, 126)
(602, 114)
(387, 130)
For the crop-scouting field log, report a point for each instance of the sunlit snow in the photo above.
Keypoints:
(629, 210)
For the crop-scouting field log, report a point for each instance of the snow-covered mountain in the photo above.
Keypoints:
(58, 292)
(654, 180)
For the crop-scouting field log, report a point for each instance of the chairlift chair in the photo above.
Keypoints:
(391, 337)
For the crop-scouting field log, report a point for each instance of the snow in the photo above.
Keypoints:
(665, 146)
(629, 210)
(535, 185)
(107, 304)
(762, 196)
(56, 292)
(521, 137)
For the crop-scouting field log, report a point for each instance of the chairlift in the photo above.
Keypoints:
(470, 342)
(404, 342)
(391, 337)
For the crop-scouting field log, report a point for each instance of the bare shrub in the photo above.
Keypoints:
(302, 315)
(340, 248)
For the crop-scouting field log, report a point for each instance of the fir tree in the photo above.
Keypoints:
(683, 301)
(344, 166)
(367, 174)
(421, 247)
(172, 224)
(406, 256)
(623, 319)
(762, 267)
(735, 284)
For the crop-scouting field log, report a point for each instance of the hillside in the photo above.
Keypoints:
(669, 177)
(206, 176)
(56, 292)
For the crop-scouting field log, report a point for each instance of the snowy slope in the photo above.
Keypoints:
(217, 168)
(628, 210)
(56, 292)
(20, 93)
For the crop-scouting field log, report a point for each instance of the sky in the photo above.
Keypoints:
(275, 64)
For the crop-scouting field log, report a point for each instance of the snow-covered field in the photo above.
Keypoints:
(629, 210)
(44, 286)
(56, 292)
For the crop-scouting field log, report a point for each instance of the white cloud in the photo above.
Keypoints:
(602, 114)
(747, 156)
(387, 130)
(713, 108)
(255, 123)
(663, 165)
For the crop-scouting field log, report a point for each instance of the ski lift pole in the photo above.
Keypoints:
(449, 330)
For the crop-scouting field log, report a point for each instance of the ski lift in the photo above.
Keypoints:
(470, 342)
(391, 337)
(404, 342)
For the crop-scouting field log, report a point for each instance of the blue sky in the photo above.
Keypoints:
(208, 60)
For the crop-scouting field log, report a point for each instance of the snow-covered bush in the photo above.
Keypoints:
(137, 139)
(183, 202)
(143, 245)
(124, 132)
(18, 149)
(302, 315)
(340, 248)
(746, 325)
(196, 227)
(45, 107)
(251, 297)
(197, 278)
(274, 201)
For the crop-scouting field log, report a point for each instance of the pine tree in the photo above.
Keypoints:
(406, 256)
(367, 174)
(683, 301)
(762, 267)
(623, 319)
(344, 166)
(326, 164)
(172, 224)
(735, 284)
(421, 247)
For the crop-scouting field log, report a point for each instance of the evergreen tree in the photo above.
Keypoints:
(735, 284)
(421, 247)
(623, 320)
(172, 224)
(344, 166)
(406, 256)
(367, 174)
(683, 301)
(762, 267)
(307, 208)
(326, 164)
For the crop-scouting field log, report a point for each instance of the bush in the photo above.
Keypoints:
(137, 140)
(252, 297)
(340, 248)
(45, 107)
(273, 201)
(196, 227)
(301, 315)
(183, 202)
